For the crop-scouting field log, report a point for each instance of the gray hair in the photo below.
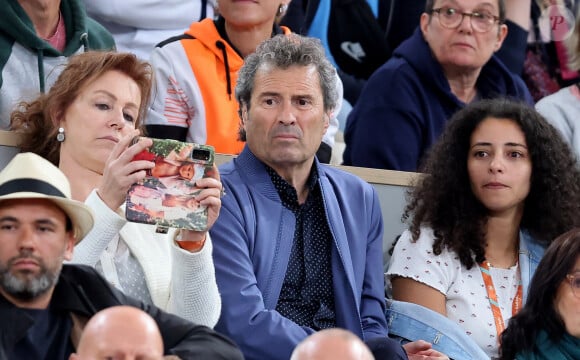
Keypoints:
(283, 52)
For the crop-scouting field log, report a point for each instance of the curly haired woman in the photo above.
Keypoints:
(502, 185)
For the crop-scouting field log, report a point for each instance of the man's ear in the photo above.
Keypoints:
(74, 356)
(69, 245)
(243, 113)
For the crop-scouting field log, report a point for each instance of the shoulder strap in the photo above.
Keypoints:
(203, 14)
(174, 38)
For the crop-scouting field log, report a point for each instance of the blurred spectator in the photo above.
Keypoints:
(546, 67)
(562, 109)
(358, 36)
(332, 344)
(196, 74)
(36, 38)
(475, 238)
(548, 327)
(447, 63)
(138, 25)
(120, 332)
(395, 20)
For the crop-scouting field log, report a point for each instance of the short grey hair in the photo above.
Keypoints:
(283, 52)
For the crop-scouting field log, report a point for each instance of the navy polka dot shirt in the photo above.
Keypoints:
(307, 295)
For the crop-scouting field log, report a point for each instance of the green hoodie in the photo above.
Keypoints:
(28, 64)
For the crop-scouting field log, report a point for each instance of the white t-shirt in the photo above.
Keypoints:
(466, 297)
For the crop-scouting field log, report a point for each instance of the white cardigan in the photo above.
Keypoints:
(179, 281)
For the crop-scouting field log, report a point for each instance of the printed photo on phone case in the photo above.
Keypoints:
(166, 196)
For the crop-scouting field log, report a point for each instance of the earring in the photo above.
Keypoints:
(60, 135)
(282, 9)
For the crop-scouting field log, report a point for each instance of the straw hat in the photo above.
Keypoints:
(29, 176)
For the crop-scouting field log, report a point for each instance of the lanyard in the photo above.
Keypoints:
(492, 296)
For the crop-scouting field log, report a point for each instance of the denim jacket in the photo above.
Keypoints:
(410, 322)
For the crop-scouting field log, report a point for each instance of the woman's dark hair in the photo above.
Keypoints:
(37, 120)
(445, 202)
(540, 313)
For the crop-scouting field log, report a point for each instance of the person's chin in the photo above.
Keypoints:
(288, 156)
(463, 60)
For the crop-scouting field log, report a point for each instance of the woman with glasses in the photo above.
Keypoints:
(447, 63)
(548, 327)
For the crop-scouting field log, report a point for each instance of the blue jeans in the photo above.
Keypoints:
(411, 322)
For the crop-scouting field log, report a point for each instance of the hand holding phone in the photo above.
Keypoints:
(120, 171)
(167, 196)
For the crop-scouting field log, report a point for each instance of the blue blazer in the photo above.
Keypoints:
(253, 238)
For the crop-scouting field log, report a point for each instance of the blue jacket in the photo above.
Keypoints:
(253, 238)
(411, 322)
(406, 103)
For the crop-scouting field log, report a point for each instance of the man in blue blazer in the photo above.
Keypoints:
(298, 244)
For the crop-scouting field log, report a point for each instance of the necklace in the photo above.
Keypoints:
(514, 261)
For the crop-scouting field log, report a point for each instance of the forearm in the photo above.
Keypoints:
(518, 11)
(194, 293)
(170, 66)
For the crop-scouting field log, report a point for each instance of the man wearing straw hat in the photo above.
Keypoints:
(44, 304)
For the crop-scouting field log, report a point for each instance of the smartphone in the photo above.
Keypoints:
(166, 196)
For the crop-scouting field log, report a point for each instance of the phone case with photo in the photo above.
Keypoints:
(166, 196)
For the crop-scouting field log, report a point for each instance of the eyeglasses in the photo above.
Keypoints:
(451, 18)
(574, 283)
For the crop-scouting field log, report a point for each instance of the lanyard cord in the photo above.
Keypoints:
(492, 296)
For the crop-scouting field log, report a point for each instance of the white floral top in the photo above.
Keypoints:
(467, 302)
